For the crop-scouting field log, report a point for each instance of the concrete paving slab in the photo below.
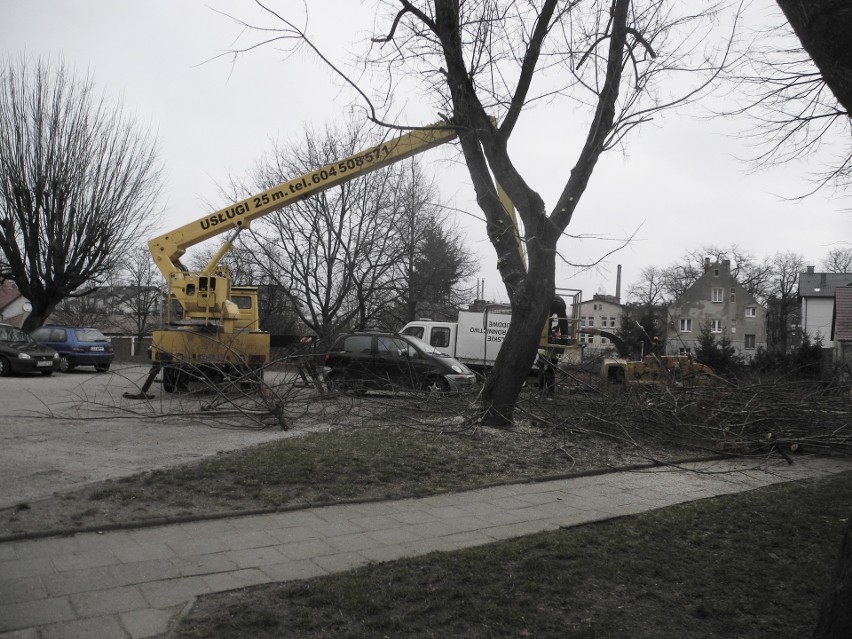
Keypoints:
(132, 583)
(69, 430)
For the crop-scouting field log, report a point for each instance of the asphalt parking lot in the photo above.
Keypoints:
(60, 432)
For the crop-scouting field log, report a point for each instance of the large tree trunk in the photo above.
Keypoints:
(41, 310)
(530, 306)
(485, 148)
(824, 27)
(835, 619)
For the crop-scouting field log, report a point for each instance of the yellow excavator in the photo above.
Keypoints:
(215, 333)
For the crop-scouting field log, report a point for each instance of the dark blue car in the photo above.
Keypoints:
(77, 346)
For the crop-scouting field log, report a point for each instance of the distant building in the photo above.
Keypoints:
(716, 300)
(14, 307)
(841, 331)
(817, 294)
(601, 312)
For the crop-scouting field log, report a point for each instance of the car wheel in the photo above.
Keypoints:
(65, 364)
(102, 368)
(436, 387)
(5, 367)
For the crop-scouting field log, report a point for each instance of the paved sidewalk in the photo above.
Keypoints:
(134, 583)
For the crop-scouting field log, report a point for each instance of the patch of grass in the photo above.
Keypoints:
(370, 462)
(89, 512)
(751, 565)
(112, 492)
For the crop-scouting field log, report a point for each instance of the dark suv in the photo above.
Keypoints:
(389, 361)
(77, 346)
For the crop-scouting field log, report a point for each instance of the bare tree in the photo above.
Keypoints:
(139, 292)
(613, 61)
(795, 101)
(649, 291)
(783, 301)
(823, 28)
(335, 253)
(87, 310)
(433, 259)
(838, 260)
(677, 278)
(78, 181)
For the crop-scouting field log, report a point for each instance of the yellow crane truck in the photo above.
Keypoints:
(216, 335)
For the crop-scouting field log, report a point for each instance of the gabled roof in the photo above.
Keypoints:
(841, 329)
(822, 284)
(8, 293)
(708, 280)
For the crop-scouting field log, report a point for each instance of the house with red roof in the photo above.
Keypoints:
(14, 307)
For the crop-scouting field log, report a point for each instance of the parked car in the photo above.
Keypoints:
(77, 346)
(389, 361)
(20, 353)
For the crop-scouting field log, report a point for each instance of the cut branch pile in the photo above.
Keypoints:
(754, 419)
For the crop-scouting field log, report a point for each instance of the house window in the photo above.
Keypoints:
(751, 311)
(733, 294)
(749, 342)
(717, 294)
(583, 320)
(604, 340)
(591, 321)
(612, 322)
(716, 326)
(685, 325)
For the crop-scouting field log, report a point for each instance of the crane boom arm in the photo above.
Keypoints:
(168, 248)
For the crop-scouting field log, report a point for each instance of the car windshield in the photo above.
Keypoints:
(12, 334)
(90, 335)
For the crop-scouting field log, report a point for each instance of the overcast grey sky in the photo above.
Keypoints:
(679, 186)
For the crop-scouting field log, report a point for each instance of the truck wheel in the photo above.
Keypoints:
(436, 387)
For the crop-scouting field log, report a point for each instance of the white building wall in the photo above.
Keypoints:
(599, 314)
(817, 313)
